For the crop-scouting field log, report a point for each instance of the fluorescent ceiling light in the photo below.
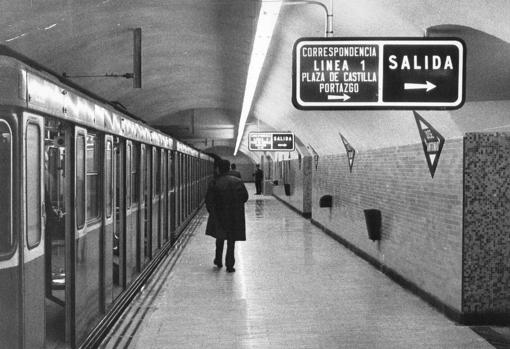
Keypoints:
(267, 19)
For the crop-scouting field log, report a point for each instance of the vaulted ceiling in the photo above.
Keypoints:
(195, 56)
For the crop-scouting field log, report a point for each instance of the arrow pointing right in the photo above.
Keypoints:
(343, 97)
(411, 86)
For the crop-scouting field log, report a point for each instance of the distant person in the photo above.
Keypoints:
(234, 172)
(224, 201)
(258, 174)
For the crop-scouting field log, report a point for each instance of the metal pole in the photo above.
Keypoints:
(329, 33)
(137, 58)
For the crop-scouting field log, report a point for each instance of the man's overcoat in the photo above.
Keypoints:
(225, 200)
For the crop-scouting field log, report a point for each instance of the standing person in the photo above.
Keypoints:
(225, 200)
(258, 174)
(233, 171)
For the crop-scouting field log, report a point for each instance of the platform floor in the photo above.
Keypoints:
(294, 287)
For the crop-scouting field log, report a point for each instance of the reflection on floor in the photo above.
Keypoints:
(294, 287)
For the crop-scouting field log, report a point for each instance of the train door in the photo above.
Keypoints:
(10, 274)
(136, 204)
(182, 197)
(163, 226)
(156, 189)
(144, 257)
(172, 205)
(148, 203)
(119, 236)
(169, 205)
(57, 184)
(108, 232)
(177, 189)
(189, 179)
(33, 280)
(131, 213)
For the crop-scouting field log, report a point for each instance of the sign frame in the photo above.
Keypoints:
(380, 104)
(272, 134)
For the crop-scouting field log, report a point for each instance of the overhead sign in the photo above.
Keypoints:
(271, 141)
(409, 73)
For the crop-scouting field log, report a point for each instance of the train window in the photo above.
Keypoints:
(135, 181)
(33, 188)
(157, 173)
(163, 172)
(170, 170)
(129, 148)
(109, 178)
(93, 185)
(80, 181)
(6, 231)
(153, 178)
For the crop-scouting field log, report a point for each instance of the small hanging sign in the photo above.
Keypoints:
(271, 141)
(350, 151)
(431, 140)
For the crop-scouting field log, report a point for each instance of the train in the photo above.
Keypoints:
(91, 200)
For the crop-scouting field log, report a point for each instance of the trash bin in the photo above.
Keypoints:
(268, 188)
(373, 221)
(326, 201)
(287, 189)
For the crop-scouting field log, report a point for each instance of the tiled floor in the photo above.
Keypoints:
(294, 287)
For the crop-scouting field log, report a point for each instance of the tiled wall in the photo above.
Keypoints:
(299, 179)
(486, 272)
(421, 216)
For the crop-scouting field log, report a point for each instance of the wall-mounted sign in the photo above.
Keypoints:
(349, 150)
(359, 73)
(432, 142)
(271, 141)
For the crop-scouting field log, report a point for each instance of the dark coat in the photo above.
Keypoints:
(234, 173)
(225, 200)
(258, 174)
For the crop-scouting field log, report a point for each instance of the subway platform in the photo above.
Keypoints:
(294, 287)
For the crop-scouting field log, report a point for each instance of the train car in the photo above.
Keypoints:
(91, 198)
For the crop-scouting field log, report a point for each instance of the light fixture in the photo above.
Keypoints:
(267, 19)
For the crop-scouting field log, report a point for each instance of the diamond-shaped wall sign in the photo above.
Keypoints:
(350, 151)
(431, 140)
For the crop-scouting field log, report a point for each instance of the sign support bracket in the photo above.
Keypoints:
(329, 13)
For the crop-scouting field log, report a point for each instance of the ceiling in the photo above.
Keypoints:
(195, 56)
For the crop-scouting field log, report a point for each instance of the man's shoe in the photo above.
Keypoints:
(218, 264)
(231, 270)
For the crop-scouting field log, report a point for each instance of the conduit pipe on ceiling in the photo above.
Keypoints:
(328, 23)
(247, 107)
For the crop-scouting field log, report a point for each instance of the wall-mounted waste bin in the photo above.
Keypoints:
(326, 201)
(287, 189)
(373, 220)
(268, 188)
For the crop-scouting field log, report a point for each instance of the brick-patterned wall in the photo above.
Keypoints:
(421, 216)
(295, 180)
(299, 179)
(486, 272)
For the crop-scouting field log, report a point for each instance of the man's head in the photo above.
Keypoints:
(224, 166)
(233, 166)
(257, 166)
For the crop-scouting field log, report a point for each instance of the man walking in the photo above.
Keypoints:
(258, 174)
(224, 201)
